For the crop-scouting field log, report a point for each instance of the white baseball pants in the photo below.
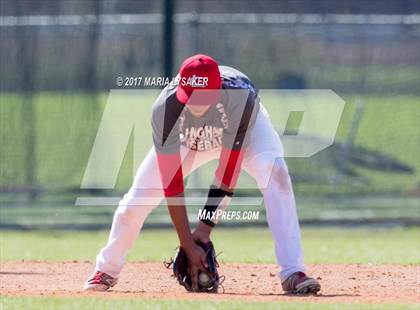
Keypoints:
(263, 160)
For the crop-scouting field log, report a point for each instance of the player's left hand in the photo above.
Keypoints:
(202, 233)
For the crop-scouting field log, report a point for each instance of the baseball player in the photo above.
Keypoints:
(212, 112)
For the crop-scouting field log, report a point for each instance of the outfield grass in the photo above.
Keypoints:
(385, 246)
(47, 303)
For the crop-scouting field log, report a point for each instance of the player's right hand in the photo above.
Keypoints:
(197, 261)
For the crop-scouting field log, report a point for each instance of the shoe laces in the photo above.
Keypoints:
(97, 277)
(301, 274)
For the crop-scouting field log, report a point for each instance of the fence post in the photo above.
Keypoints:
(168, 33)
(27, 56)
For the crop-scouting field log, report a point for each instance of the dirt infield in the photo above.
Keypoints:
(340, 283)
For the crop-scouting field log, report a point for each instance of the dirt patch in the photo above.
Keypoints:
(340, 283)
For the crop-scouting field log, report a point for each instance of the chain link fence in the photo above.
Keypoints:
(57, 71)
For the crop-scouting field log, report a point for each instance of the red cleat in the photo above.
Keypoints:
(100, 282)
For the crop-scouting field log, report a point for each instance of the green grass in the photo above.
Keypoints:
(9, 303)
(385, 246)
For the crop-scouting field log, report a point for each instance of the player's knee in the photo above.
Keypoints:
(132, 207)
(280, 177)
(270, 169)
(273, 173)
(140, 200)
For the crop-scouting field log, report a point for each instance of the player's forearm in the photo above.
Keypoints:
(229, 168)
(179, 218)
(222, 186)
(217, 200)
(202, 232)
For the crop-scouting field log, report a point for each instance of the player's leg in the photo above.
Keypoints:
(144, 195)
(264, 161)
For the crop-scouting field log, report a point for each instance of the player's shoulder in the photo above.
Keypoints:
(233, 78)
(230, 72)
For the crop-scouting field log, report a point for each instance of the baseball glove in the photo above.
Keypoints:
(208, 282)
